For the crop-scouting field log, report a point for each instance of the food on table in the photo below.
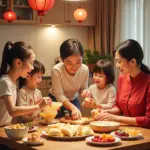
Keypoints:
(83, 120)
(103, 138)
(62, 129)
(50, 112)
(128, 132)
(132, 131)
(95, 113)
(121, 133)
(67, 115)
(104, 126)
(17, 126)
(54, 132)
(34, 139)
(16, 131)
(31, 125)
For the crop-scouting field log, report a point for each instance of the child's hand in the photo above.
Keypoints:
(89, 103)
(48, 101)
(95, 113)
(45, 102)
(86, 93)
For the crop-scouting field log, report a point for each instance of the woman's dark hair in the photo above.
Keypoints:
(38, 68)
(130, 49)
(71, 47)
(106, 67)
(19, 50)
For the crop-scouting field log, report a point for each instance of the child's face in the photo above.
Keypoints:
(72, 64)
(100, 80)
(35, 79)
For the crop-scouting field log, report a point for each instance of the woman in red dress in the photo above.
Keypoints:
(133, 94)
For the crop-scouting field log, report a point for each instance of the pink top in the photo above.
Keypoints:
(133, 97)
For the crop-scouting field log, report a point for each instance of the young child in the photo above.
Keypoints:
(17, 61)
(102, 94)
(28, 94)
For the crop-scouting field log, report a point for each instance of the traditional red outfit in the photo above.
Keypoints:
(133, 97)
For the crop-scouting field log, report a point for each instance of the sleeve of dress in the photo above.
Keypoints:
(111, 98)
(144, 121)
(22, 98)
(57, 88)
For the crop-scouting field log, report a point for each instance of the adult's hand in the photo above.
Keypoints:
(106, 116)
(76, 114)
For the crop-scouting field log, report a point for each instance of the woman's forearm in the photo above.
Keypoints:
(127, 120)
(114, 110)
(67, 104)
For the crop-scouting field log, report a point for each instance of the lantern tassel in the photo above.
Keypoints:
(41, 19)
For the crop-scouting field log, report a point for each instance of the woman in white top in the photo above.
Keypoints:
(69, 77)
(17, 60)
(102, 94)
(28, 93)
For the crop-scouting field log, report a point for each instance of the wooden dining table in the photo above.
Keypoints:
(141, 143)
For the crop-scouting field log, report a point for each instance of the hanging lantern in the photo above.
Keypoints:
(80, 14)
(10, 16)
(41, 5)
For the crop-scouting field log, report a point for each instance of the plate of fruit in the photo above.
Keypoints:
(103, 139)
(128, 133)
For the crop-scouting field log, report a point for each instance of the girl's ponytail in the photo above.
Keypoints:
(145, 68)
(4, 63)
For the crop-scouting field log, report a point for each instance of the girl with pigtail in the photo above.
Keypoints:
(17, 61)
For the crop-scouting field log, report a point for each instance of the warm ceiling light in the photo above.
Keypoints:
(80, 14)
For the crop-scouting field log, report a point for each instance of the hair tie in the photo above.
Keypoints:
(11, 45)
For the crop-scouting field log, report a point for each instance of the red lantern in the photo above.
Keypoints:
(10, 16)
(80, 14)
(41, 5)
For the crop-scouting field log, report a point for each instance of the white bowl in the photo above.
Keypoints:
(16, 134)
(104, 126)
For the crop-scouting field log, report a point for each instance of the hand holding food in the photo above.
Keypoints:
(89, 103)
(86, 93)
(45, 101)
(95, 113)
(76, 114)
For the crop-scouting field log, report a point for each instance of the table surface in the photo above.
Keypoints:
(49, 144)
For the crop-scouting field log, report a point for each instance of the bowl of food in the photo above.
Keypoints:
(104, 126)
(50, 112)
(16, 131)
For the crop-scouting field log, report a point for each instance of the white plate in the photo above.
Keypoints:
(33, 143)
(127, 137)
(45, 123)
(33, 129)
(89, 140)
(65, 137)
